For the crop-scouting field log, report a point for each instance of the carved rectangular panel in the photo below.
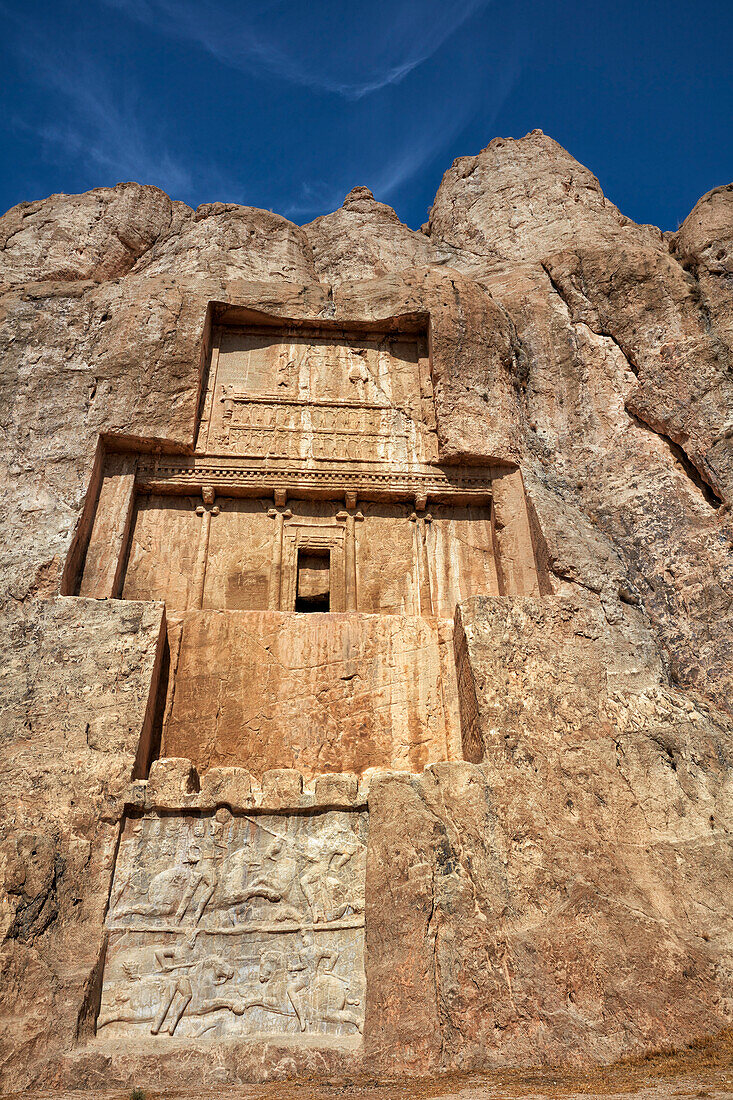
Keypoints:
(315, 397)
(386, 555)
(103, 564)
(161, 562)
(237, 925)
(460, 543)
(320, 693)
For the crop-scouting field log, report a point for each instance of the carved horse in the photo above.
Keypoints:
(193, 988)
(310, 997)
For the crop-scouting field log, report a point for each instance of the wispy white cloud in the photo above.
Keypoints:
(94, 120)
(424, 146)
(425, 139)
(238, 35)
(97, 127)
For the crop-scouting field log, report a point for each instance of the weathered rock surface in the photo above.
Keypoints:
(621, 354)
(563, 897)
(366, 240)
(98, 235)
(607, 928)
(75, 686)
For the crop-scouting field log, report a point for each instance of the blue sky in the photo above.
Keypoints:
(287, 105)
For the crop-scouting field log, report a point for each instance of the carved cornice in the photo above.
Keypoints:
(169, 474)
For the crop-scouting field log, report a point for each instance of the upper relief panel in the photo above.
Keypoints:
(319, 396)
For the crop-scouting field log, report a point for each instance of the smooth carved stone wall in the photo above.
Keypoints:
(163, 550)
(311, 397)
(223, 925)
(404, 563)
(321, 693)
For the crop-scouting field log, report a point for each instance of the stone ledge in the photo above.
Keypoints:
(175, 785)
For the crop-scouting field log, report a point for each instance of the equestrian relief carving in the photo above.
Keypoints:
(237, 925)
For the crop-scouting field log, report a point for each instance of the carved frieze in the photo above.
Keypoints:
(319, 398)
(164, 473)
(237, 925)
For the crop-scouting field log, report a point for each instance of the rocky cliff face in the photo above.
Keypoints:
(568, 896)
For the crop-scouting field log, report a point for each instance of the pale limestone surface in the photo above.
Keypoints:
(564, 895)
(228, 924)
(365, 239)
(75, 685)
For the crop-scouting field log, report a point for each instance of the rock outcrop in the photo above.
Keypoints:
(563, 893)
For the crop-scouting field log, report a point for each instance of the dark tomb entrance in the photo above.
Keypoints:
(314, 581)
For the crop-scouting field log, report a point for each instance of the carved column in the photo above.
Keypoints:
(279, 513)
(351, 516)
(422, 520)
(206, 511)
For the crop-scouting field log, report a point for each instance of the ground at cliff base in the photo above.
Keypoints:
(704, 1069)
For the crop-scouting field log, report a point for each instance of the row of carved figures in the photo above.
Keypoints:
(299, 880)
(300, 983)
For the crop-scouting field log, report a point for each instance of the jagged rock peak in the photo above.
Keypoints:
(519, 200)
(360, 200)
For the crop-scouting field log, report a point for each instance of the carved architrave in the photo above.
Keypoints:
(237, 925)
(168, 474)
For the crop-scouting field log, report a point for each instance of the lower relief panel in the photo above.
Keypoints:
(226, 925)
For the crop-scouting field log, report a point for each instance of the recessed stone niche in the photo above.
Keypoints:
(226, 925)
(310, 553)
(314, 395)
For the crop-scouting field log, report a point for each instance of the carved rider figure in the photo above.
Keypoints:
(189, 978)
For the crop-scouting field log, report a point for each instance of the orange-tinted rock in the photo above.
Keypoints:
(318, 693)
(553, 459)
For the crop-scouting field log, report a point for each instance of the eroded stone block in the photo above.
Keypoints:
(281, 788)
(339, 789)
(173, 782)
(227, 786)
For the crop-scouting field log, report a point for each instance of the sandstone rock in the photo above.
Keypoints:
(337, 790)
(633, 774)
(232, 787)
(281, 788)
(703, 246)
(225, 241)
(172, 783)
(529, 202)
(366, 240)
(518, 201)
(558, 895)
(98, 235)
(75, 690)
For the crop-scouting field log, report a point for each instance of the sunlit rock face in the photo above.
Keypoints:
(367, 607)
